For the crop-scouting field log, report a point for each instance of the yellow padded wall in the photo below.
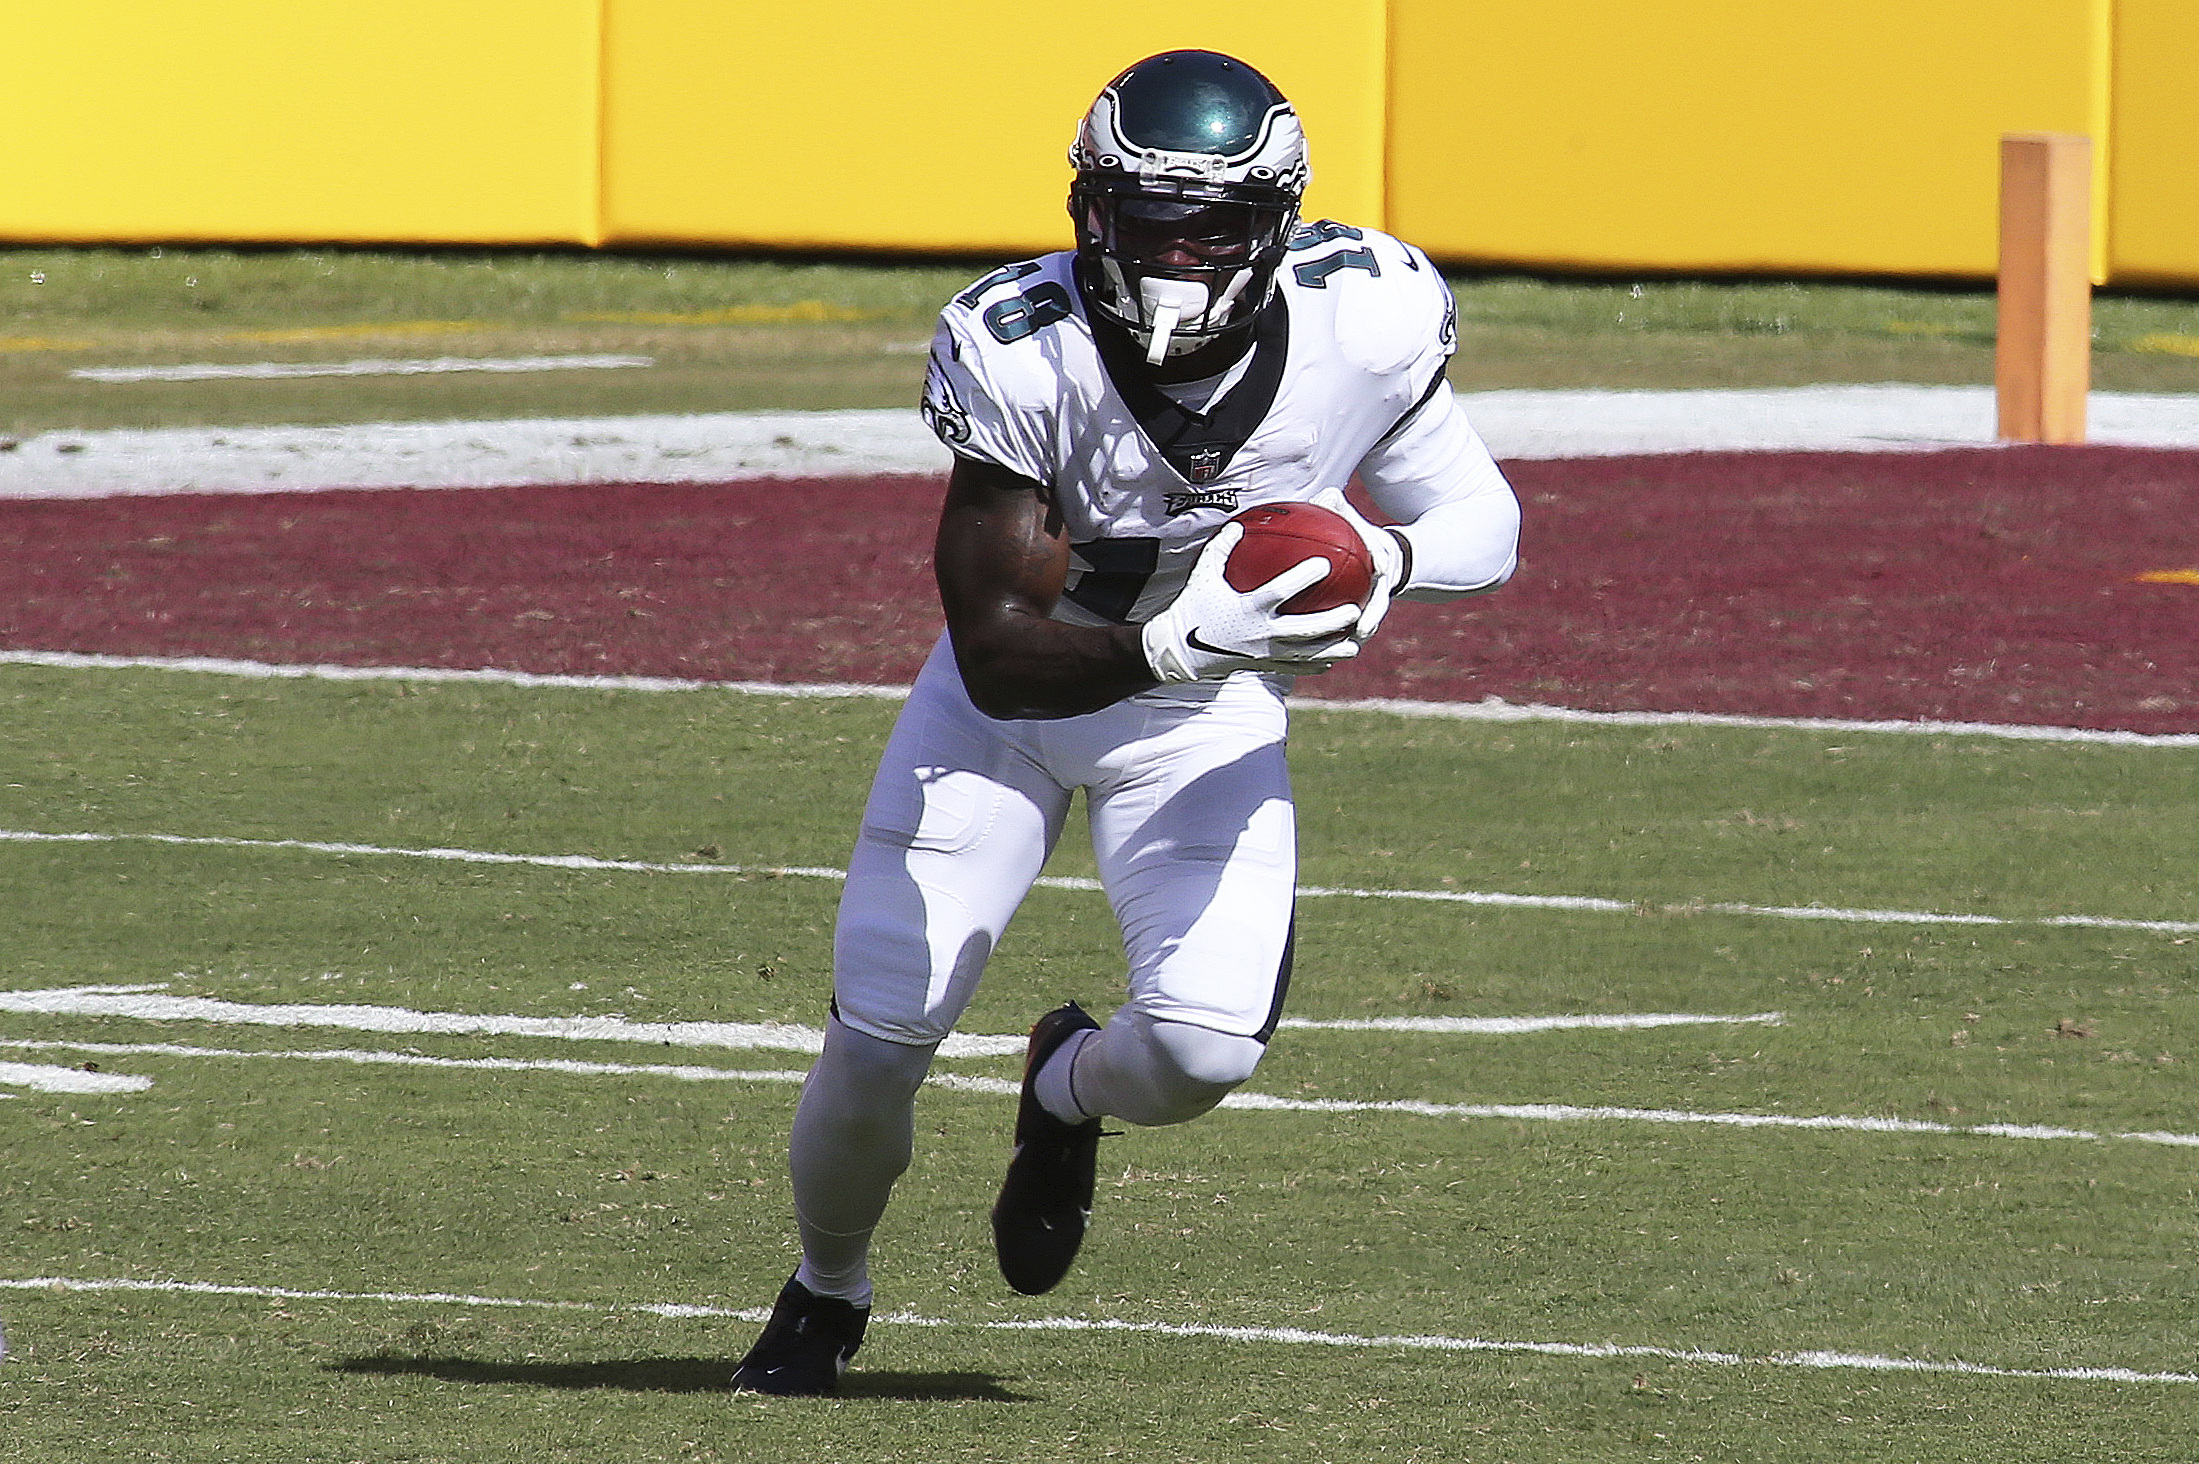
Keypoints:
(1857, 136)
(2155, 208)
(870, 124)
(1853, 136)
(450, 120)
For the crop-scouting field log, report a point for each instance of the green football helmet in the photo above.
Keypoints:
(1189, 168)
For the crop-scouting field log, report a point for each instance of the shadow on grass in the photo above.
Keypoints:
(675, 1375)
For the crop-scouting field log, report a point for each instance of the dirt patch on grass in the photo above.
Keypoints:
(1984, 585)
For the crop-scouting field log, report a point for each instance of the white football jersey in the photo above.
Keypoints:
(1344, 377)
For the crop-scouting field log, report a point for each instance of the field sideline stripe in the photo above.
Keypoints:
(1591, 904)
(1488, 709)
(1242, 1102)
(1816, 1360)
(276, 671)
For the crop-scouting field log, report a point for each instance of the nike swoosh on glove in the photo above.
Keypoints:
(1387, 550)
(1211, 630)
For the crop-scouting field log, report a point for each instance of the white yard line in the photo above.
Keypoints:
(1814, 1360)
(457, 856)
(1512, 1026)
(45, 1078)
(1488, 709)
(1597, 905)
(1589, 1113)
(368, 1057)
(1590, 904)
(1495, 709)
(284, 370)
(197, 1009)
(150, 1003)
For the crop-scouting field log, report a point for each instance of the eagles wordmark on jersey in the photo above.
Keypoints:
(1345, 376)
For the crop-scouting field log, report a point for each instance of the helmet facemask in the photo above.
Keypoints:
(1174, 268)
(1189, 170)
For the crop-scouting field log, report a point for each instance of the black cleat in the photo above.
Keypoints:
(805, 1346)
(1039, 1219)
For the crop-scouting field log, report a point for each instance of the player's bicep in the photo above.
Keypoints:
(1001, 549)
(1433, 456)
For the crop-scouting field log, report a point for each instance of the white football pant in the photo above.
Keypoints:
(1195, 835)
(1192, 827)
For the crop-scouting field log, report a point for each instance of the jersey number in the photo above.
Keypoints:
(1012, 320)
(1120, 568)
(1001, 276)
(1314, 273)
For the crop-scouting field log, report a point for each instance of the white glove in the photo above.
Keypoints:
(1387, 549)
(1210, 629)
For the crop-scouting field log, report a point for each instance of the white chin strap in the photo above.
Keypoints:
(1166, 303)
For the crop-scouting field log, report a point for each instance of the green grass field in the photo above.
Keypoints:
(252, 1210)
(743, 335)
(439, 1247)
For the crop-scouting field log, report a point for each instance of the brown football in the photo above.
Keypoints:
(1279, 535)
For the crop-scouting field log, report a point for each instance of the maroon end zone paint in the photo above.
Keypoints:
(1972, 585)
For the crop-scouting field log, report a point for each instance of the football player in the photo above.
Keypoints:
(1200, 351)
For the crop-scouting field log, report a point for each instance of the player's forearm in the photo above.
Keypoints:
(1462, 548)
(1017, 665)
(1001, 560)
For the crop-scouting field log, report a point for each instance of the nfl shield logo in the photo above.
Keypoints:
(1206, 464)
